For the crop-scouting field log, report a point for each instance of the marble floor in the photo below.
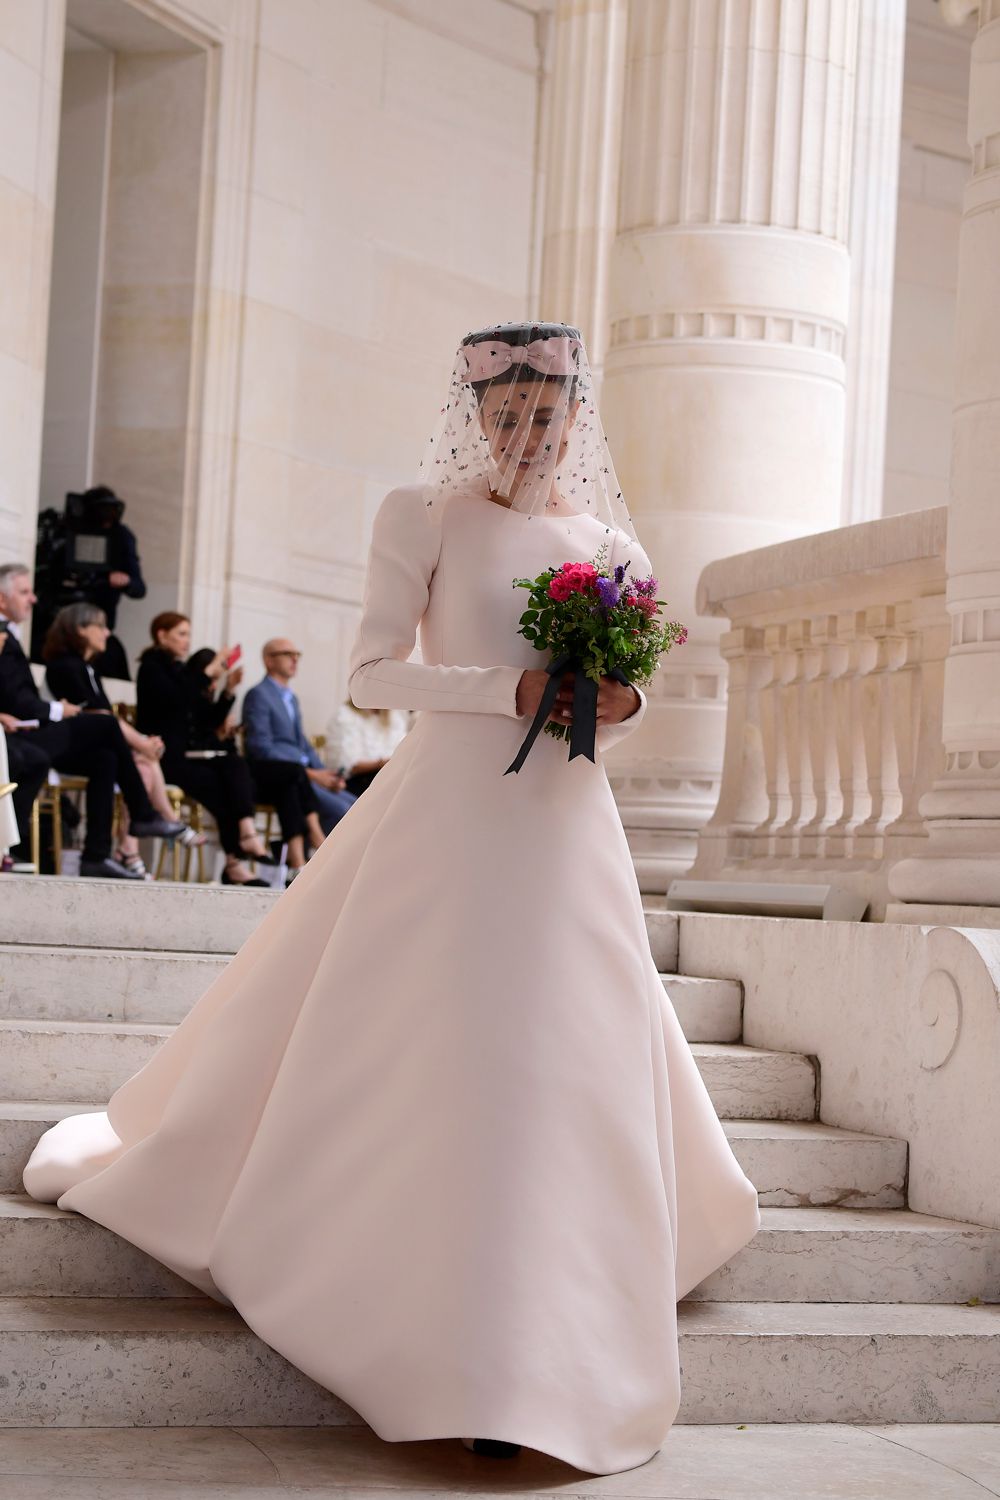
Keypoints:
(938, 1462)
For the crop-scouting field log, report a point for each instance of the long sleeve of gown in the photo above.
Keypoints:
(404, 552)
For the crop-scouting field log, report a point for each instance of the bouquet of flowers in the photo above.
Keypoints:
(595, 622)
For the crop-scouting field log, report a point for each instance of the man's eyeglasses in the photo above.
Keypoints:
(295, 654)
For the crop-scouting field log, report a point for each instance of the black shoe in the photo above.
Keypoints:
(156, 828)
(493, 1448)
(106, 869)
(228, 880)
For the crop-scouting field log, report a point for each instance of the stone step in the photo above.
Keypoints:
(107, 1362)
(72, 1060)
(754, 1083)
(154, 914)
(21, 1124)
(838, 1362)
(188, 918)
(791, 1163)
(803, 1163)
(709, 1010)
(42, 983)
(859, 1255)
(88, 1060)
(799, 1255)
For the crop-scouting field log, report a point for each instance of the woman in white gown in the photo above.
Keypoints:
(435, 1131)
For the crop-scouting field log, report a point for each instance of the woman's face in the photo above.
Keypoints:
(528, 426)
(93, 638)
(177, 640)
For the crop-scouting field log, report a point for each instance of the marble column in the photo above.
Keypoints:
(961, 867)
(878, 104)
(724, 383)
(31, 60)
(587, 43)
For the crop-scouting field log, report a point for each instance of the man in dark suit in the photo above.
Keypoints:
(276, 741)
(41, 735)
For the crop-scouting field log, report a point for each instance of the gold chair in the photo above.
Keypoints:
(49, 797)
(185, 809)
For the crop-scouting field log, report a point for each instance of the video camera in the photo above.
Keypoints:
(72, 554)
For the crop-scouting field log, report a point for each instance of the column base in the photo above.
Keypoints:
(957, 879)
(920, 914)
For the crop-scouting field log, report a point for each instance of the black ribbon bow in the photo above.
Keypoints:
(583, 729)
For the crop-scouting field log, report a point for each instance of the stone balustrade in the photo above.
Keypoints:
(835, 648)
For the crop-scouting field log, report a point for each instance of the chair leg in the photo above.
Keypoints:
(36, 835)
(57, 829)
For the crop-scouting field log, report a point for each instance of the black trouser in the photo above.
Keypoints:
(361, 782)
(29, 766)
(93, 745)
(223, 785)
(286, 786)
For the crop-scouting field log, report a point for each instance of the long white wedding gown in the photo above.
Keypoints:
(435, 1131)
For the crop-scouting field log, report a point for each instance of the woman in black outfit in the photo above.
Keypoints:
(176, 700)
(76, 638)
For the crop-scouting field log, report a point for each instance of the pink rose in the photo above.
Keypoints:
(559, 588)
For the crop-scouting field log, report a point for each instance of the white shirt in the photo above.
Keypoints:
(353, 737)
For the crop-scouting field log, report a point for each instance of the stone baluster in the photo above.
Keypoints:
(854, 793)
(805, 662)
(879, 730)
(742, 804)
(773, 741)
(821, 731)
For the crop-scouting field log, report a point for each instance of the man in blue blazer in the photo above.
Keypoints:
(272, 723)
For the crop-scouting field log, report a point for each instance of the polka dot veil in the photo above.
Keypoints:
(520, 420)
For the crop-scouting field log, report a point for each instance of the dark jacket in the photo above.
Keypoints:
(123, 557)
(68, 677)
(18, 694)
(172, 701)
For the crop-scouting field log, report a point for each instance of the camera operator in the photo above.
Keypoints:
(87, 555)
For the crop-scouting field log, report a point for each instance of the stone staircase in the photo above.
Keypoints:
(846, 1307)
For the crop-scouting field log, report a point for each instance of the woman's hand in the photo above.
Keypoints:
(615, 701)
(234, 678)
(152, 747)
(529, 694)
(216, 665)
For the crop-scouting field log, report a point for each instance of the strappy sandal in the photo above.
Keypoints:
(134, 864)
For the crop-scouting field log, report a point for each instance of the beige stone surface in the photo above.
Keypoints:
(776, 1462)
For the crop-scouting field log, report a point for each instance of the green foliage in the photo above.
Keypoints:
(600, 638)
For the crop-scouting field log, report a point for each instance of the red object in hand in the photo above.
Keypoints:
(233, 657)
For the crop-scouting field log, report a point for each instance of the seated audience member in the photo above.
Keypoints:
(75, 640)
(280, 755)
(360, 740)
(189, 705)
(59, 735)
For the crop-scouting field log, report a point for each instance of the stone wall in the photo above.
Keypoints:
(934, 166)
(362, 192)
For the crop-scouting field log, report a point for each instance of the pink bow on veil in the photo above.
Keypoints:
(552, 356)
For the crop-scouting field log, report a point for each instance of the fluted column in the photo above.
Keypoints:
(962, 863)
(872, 245)
(582, 160)
(724, 379)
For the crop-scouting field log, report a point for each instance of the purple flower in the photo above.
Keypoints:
(608, 592)
(619, 574)
(647, 587)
